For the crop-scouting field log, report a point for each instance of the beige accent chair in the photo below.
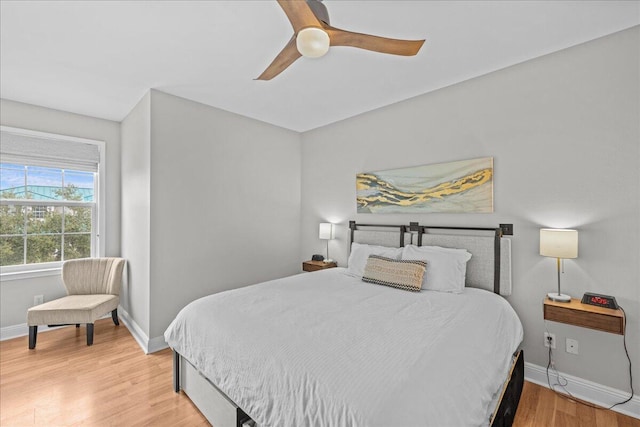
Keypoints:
(93, 288)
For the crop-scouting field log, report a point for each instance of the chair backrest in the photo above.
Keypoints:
(93, 276)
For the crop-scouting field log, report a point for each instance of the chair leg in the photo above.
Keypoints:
(77, 325)
(114, 317)
(33, 334)
(89, 333)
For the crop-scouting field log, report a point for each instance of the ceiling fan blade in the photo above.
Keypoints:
(340, 37)
(299, 13)
(286, 57)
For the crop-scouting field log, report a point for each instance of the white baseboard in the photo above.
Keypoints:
(147, 345)
(157, 344)
(586, 390)
(21, 330)
(14, 331)
(136, 331)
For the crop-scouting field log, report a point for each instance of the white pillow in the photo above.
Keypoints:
(360, 254)
(446, 267)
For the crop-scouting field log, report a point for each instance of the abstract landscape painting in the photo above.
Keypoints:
(462, 186)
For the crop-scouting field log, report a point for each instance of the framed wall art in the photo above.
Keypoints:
(464, 186)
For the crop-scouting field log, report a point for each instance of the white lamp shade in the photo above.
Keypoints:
(326, 231)
(312, 42)
(559, 243)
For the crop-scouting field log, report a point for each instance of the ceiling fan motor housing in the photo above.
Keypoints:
(320, 10)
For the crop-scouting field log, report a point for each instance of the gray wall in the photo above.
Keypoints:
(136, 212)
(224, 212)
(563, 131)
(17, 295)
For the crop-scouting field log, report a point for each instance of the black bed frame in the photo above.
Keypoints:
(506, 412)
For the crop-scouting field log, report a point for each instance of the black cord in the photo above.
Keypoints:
(624, 341)
(548, 365)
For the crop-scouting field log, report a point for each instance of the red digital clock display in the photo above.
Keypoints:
(599, 300)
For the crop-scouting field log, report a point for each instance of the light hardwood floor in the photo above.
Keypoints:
(540, 406)
(113, 383)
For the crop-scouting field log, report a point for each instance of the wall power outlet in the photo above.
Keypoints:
(38, 299)
(550, 342)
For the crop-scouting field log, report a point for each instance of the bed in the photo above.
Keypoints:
(329, 349)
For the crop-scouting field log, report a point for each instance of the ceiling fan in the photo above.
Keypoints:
(312, 36)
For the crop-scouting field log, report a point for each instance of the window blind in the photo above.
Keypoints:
(51, 152)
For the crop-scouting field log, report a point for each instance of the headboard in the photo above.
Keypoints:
(490, 264)
(395, 236)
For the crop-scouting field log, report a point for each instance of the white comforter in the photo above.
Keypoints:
(326, 349)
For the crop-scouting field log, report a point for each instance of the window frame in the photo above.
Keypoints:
(27, 271)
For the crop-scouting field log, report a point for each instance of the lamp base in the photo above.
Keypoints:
(328, 260)
(553, 296)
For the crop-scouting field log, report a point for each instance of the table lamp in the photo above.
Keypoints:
(560, 244)
(326, 233)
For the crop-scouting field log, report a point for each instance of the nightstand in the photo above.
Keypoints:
(317, 265)
(585, 315)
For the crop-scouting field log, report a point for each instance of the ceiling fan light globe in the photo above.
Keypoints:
(312, 42)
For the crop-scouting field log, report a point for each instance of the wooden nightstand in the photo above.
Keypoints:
(587, 316)
(317, 265)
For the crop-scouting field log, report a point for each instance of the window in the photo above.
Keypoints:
(39, 212)
(49, 204)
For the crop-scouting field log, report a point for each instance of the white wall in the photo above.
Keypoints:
(563, 130)
(136, 214)
(17, 295)
(224, 204)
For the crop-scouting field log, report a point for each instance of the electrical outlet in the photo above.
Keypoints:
(507, 229)
(572, 346)
(550, 342)
(38, 299)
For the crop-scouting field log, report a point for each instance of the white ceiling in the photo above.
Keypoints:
(100, 57)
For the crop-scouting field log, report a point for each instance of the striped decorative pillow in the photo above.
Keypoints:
(401, 274)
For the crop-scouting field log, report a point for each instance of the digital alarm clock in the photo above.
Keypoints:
(599, 300)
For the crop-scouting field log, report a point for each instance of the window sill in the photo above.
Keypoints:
(30, 274)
